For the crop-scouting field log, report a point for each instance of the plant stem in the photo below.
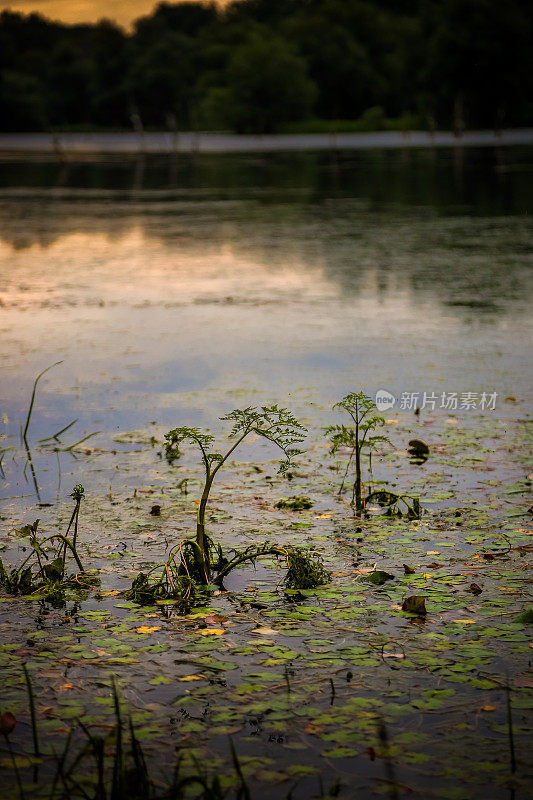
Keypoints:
(15, 767)
(241, 559)
(31, 700)
(33, 397)
(510, 729)
(202, 554)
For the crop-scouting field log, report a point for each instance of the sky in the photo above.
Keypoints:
(121, 11)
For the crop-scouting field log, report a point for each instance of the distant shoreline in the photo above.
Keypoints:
(65, 145)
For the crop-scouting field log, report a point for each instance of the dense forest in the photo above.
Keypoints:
(270, 65)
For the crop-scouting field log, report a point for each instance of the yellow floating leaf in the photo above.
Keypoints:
(109, 592)
(212, 631)
(464, 621)
(324, 516)
(66, 686)
(146, 629)
(427, 575)
(392, 421)
(433, 552)
(265, 631)
(185, 678)
(488, 708)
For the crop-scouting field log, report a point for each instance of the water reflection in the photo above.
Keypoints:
(259, 278)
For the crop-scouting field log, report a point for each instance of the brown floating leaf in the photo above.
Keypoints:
(155, 511)
(474, 588)
(215, 619)
(313, 729)
(416, 604)
(7, 722)
(408, 570)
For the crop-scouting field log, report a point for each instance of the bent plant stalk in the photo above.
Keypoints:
(277, 425)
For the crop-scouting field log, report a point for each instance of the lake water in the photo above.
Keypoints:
(174, 289)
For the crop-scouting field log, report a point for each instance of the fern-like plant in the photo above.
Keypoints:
(277, 425)
(356, 437)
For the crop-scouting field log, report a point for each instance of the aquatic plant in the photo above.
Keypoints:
(113, 767)
(356, 437)
(164, 581)
(396, 504)
(43, 572)
(201, 561)
(277, 425)
(294, 503)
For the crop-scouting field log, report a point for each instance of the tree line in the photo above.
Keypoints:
(262, 66)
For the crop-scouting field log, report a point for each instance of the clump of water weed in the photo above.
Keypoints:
(305, 571)
(147, 592)
(294, 503)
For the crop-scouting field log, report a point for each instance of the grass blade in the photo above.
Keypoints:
(28, 418)
(31, 699)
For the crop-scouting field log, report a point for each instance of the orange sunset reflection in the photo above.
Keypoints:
(136, 268)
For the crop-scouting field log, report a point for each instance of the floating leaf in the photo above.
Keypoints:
(215, 619)
(379, 577)
(7, 722)
(416, 604)
(265, 631)
(146, 629)
(212, 632)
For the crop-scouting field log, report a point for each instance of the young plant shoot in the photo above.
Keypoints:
(274, 424)
(356, 438)
(44, 569)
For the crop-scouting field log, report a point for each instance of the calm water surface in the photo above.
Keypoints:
(176, 289)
